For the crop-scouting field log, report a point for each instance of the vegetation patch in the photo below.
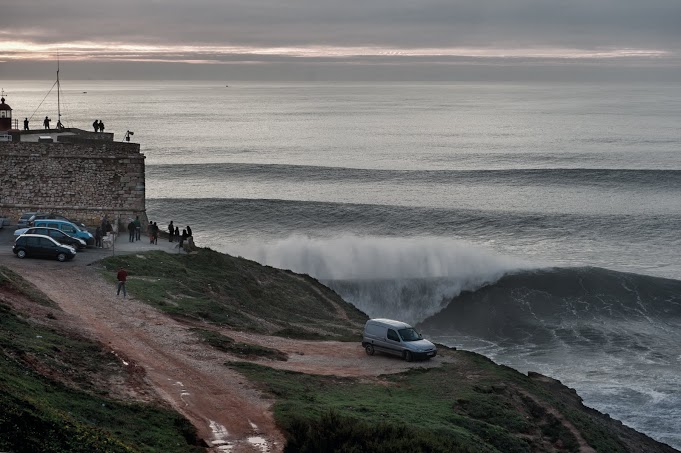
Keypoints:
(51, 402)
(235, 292)
(435, 409)
(227, 344)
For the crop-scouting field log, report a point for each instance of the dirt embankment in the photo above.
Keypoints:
(170, 363)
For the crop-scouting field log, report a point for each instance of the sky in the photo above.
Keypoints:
(341, 40)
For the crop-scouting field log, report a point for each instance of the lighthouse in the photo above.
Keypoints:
(5, 115)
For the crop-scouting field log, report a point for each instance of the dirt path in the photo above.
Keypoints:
(229, 413)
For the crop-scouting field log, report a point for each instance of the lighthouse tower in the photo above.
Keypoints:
(5, 115)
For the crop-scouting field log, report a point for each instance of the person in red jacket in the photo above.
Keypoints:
(122, 276)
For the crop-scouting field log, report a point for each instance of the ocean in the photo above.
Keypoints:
(537, 224)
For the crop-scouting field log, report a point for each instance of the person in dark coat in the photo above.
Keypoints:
(98, 237)
(155, 231)
(25, 124)
(101, 126)
(171, 231)
(189, 231)
(177, 234)
(46, 122)
(183, 237)
(131, 231)
(95, 125)
(138, 228)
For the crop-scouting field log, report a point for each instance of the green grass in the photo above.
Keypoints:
(235, 292)
(435, 409)
(227, 344)
(73, 413)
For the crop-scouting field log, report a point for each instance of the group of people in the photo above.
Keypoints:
(134, 229)
(105, 227)
(175, 236)
(98, 126)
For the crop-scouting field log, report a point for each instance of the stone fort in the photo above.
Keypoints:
(78, 174)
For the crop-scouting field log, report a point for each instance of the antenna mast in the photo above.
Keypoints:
(58, 95)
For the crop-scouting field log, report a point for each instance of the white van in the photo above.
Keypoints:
(396, 337)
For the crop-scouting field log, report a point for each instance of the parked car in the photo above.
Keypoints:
(397, 338)
(55, 233)
(42, 216)
(40, 246)
(68, 228)
(23, 220)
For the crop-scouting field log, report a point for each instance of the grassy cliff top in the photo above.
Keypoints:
(221, 289)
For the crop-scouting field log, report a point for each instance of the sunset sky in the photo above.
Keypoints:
(317, 39)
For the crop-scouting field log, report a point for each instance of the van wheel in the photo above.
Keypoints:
(21, 254)
(408, 356)
(369, 349)
(61, 257)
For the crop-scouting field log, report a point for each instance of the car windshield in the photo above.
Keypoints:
(409, 334)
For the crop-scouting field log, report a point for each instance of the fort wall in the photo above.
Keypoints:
(83, 180)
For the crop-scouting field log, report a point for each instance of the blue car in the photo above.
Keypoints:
(67, 227)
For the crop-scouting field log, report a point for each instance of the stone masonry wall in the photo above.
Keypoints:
(82, 181)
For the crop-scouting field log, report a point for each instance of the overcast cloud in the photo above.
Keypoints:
(370, 32)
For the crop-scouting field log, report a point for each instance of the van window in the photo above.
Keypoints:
(53, 225)
(392, 335)
(68, 229)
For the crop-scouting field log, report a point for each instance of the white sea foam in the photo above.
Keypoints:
(405, 278)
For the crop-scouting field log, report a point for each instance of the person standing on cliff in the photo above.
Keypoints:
(122, 277)
(189, 231)
(183, 238)
(95, 125)
(171, 231)
(25, 124)
(177, 234)
(101, 126)
(155, 232)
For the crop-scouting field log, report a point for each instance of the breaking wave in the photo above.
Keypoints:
(575, 306)
(405, 278)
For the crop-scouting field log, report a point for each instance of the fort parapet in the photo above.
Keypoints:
(81, 176)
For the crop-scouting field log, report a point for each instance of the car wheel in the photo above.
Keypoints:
(61, 257)
(369, 349)
(408, 356)
(21, 254)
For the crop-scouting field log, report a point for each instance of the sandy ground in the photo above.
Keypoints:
(229, 413)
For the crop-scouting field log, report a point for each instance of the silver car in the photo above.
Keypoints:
(397, 338)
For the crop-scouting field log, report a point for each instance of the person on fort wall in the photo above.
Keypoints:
(131, 231)
(25, 124)
(138, 228)
(46, 122)
(171, 231)
(98, 237)
(101, 126)
(95, 125)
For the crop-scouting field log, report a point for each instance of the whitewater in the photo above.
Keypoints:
(536, 224)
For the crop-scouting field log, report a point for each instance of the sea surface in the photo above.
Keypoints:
(537, 224)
